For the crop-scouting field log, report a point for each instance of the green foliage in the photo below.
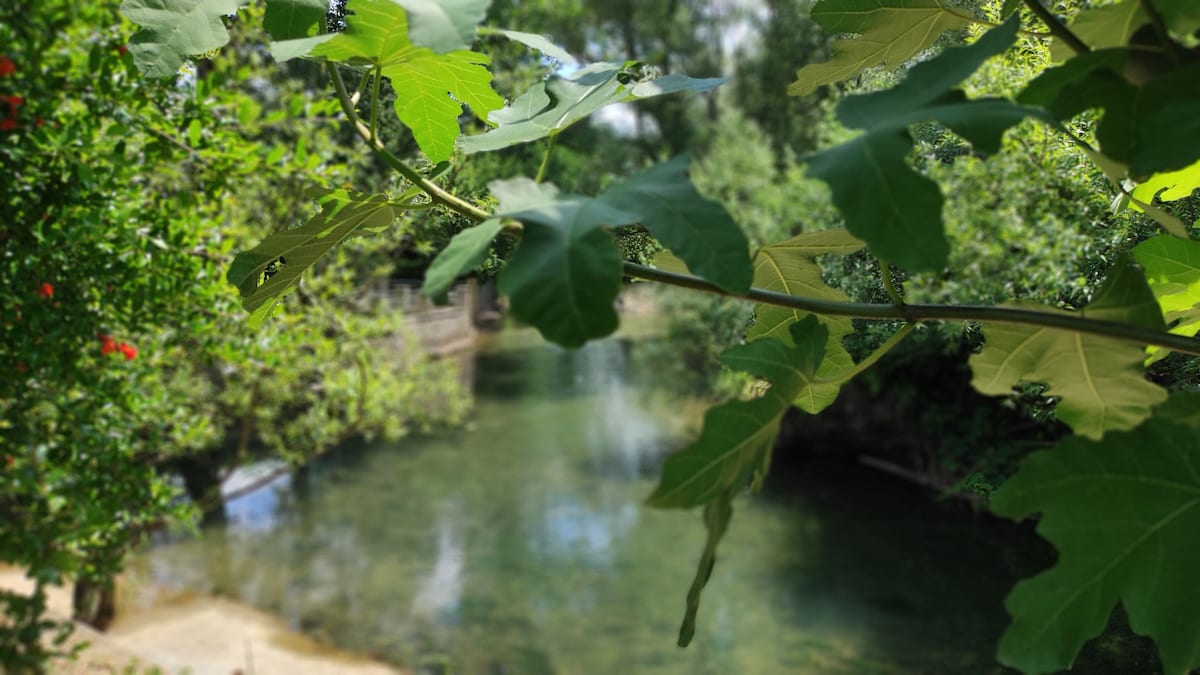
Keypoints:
(549, 107)
(1123, 513)
(1172, 268)
(173, 30)
(890, 32)
(292, 19)
(465, 252)
(1100, 381)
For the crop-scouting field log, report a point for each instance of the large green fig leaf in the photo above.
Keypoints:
(566, 272)
(1169, 186)
(1173, 271)
(887, 33)
(885, 202)
(431, 87)
(737, 434)
(696, 229)
(464, 253)
(1124, 514)
(268, 271)
(293, 19)
(549, 107)
(173, 30)
(1099, 380)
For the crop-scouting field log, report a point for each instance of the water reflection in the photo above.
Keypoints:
(519, 545)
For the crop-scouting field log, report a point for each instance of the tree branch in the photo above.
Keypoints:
(1057, 28)
(917, 313)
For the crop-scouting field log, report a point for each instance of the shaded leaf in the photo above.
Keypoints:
(698, 230)
(717, 514)
(1124, 513)
(549, 107)
(262, 278)
(737, 434)
(292, 19)
(566, 272)
(1099, 380)
(1102, 27)
(173, 30)
(885, 202)
(464, 253)
(889, 33)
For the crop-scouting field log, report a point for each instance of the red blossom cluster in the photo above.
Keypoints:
(7, 67)
(46, 290)
(108, 345)
(9, 121)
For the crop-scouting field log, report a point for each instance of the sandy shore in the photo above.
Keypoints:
(197, 635)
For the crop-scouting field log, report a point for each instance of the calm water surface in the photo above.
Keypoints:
(519, 545)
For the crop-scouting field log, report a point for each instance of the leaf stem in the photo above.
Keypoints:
(871, 359)
(375, 106)
(435, 192)
(885, 271)
(918, 313)
(1057, 28)
(541, 173)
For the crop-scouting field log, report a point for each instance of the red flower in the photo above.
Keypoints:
(13, 102)
(7, 67)
(8, 124)
(128, 350)
(46, 290)
(107, 344)
(122, 50)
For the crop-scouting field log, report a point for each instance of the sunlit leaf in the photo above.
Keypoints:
(737, 434)
(464, 253)
(173, 30)
(442, 25)
(549, 107)
(430, 87)
(1102, 27)
(268, 271)
(887, 33)
(1124, 513)
(1169, 186)
(1173, 271)
(1099, 380)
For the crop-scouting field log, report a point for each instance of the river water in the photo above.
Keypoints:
(519, 545)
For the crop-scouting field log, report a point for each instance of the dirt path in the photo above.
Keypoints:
(199, 636)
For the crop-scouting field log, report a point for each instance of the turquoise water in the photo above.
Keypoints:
(519, 545)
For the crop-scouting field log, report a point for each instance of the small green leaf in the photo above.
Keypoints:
(442, 25)
(698, 230)
(1099, 380)
(464, 253)
(1124, 513)
(260, 275)
(535, 41)
(888, 33)
(737, 434)
(717, 514)
(291, 19)
(173, 30)
(547, 108)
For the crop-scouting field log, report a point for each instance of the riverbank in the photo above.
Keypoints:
(186, 633)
